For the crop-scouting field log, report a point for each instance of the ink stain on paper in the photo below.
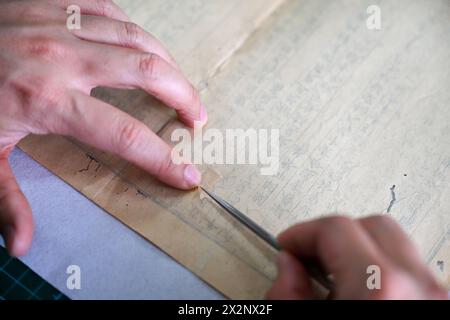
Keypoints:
(141, 193)
(393, 199)
(440, 264)
(91, 160)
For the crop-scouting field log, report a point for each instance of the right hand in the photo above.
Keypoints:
(46, 75)
(346, 248)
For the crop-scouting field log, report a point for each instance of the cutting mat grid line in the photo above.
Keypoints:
(19, 282)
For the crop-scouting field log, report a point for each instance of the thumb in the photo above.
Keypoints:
(292, 281)
(16, 221)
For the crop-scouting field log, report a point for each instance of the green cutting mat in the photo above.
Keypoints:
(18, 282)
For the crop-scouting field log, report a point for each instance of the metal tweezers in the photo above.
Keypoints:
(314, 270)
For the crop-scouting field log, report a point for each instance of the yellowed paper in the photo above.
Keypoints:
(358, 110)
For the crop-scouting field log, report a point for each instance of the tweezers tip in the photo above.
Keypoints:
(207, 192)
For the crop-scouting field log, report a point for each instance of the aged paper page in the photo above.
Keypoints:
(364, 117)
(202, 35)
(363, 120)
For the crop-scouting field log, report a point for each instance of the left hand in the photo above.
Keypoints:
(47, 73)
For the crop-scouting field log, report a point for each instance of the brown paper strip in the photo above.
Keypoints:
(134, 208)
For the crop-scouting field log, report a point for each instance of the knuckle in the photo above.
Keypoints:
(384, 221)
(331, 229)
(105, 7)
(132, 34)
(338, 222)
(149, 64)
(129, 136)
(165, 165)
(47, 48)
(379, 218)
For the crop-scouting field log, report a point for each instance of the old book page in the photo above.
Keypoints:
(363, 124)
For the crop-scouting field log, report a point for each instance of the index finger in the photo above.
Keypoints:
(102, 126)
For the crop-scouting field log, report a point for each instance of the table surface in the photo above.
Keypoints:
(115, 262)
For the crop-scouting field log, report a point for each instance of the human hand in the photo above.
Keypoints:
(346, 248)
(46, 75)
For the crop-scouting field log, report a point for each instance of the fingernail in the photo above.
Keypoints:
(203, 114)
(192, 176)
